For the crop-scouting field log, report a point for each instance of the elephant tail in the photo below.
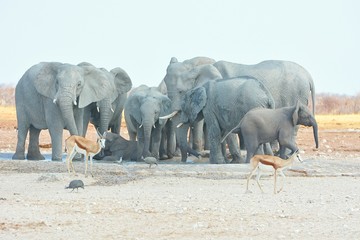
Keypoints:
(237, 128)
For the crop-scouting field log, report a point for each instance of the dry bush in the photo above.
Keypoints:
(337, 104)
(326, 103)
(7, 96)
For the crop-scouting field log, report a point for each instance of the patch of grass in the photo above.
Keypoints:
(325, 121)
(344, 121)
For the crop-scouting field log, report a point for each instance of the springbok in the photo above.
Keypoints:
(77, 144)
(277, 163)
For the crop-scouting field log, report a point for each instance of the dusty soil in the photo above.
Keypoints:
(184, 201)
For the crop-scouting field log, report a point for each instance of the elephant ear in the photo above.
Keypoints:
(96, 86)
(122, 80)
(194, 102)
(295, 115)
(135, 101)
(45, 78)
(165, 108)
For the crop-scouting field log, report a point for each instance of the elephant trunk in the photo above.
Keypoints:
(67, 111)
(182, 137)
(147, 127)
(106, 113)
(315, 130)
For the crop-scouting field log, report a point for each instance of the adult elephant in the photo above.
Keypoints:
(52, 95)
(181, 77)
(142, 110)
(287, 81)
(106, 114)
(222, 103)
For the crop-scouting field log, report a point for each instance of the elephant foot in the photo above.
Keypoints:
(237, 160)
(78, 157)
(35, 156)
(163, 157)
(58, 159)
(18, 156)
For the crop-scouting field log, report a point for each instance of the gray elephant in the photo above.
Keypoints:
(106, 114)
(222, 103)
(52, 95)
(118, 148)
(260, 126)
(142, 110)
(287, 81)
(181, 77)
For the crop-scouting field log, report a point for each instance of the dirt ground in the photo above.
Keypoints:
(184, 201)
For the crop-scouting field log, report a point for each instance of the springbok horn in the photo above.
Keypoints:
(169, 116)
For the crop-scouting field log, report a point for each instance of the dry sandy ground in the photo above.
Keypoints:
(320, 200)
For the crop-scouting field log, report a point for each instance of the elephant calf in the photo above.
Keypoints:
(117, 147)
(260, 126)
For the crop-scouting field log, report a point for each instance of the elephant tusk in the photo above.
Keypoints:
(112, 110)
(75, 103)
(98, 109)
(154, 126)
(140, 126)
(169, 116)
(54, 101)
(179, 125)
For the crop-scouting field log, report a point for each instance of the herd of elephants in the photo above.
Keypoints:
(200, 104)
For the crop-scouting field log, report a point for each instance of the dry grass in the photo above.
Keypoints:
(345, 121)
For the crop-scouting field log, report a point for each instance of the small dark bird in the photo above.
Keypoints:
(75, 184)
(151, 161)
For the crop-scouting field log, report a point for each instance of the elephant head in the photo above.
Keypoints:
(144, 107)
(70, 85)
(302, 115)
(184, 76)
(193, 103)
(121, 83)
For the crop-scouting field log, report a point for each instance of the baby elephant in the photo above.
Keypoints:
(118, 148)
(260, 126)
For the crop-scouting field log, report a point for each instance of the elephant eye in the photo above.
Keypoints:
(79, 84)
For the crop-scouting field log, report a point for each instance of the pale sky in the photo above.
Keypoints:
(142, 36)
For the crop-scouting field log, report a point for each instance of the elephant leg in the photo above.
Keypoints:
(171, 146)
(33, 149)
(79, 119)
(140, 142)
(234, 149)
(155, 142)
(197, 135)
(116, 127)
(21, 135)
(205, 138)
(251, 144)
(162, 148)
(216, 155)
(56, 142)
(284, 147)
(267, 149)
(223, 151)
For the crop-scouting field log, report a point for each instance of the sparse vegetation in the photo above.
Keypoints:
(326, 103)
